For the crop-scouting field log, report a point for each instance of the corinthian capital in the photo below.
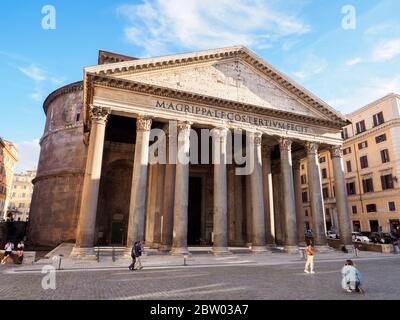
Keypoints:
(266, 151)
(336, 152)
(219, 134)
(285, 144)
(143, 123)
(312, 147)
(99, 113)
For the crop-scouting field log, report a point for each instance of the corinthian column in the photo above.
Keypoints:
(169, 194)
(87, 216)
(268, 196)
(180, 228)
(257, 194)
(289, 204)
(316, 199)
(220, 245)
(139, 182)
(299, 202)
(341, 197)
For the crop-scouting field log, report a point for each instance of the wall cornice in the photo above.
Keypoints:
(72, 87)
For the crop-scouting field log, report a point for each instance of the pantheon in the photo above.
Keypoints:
(96, 185)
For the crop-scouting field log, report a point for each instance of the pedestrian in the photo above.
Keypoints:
(8, 252)
(310, 258)
(133, 255)
(351, 278)
(138, 253)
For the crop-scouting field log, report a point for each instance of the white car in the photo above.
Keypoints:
(359, 237)
(332, 235)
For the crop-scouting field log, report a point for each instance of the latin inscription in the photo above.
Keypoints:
(231, 116)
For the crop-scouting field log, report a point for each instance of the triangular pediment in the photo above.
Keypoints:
(235, 74)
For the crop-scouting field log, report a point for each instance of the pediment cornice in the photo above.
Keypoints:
(164, 92)
(238, 52)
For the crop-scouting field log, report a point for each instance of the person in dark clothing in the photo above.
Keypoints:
(133, 255)
(138, 253)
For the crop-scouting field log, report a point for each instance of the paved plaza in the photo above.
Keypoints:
(273, 276)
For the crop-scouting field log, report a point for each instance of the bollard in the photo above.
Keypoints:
(98, 254)
(184, 260)
(59, 261)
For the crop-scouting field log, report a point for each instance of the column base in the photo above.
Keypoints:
(349, 247)
(258, 249)
(221, 251)
(155, 246)
(323, 248)
(291, 249)
(271, 246)
(164, 248)
(83, 253)
(179, 251)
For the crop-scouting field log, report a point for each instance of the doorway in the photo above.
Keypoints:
(117, 233)
(194, 210)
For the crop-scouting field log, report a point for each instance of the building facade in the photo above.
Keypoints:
(8, 161)
(100, 181)
(21, 195)
(372, 164)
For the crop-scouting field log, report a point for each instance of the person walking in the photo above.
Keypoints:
(133, 255)
(8, 252)
(310, 259)
(20, 251)
(138, 254)
(351, 278)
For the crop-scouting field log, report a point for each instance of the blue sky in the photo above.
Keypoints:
(347, 68)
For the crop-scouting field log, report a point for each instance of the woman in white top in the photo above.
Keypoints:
(20, 249)
(8, 252)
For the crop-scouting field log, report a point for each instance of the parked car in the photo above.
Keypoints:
(359, 237)
(332, 235)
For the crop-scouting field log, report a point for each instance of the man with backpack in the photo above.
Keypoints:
(133, 255)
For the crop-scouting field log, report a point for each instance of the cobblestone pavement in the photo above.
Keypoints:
(247, 281)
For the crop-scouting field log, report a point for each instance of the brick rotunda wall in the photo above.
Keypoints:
(58, 185)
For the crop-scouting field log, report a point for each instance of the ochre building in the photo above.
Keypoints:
(21, 195)
(372, 167)
(95, 185)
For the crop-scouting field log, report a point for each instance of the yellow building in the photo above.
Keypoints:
(372, 166)
(21, 195)
(8, 160)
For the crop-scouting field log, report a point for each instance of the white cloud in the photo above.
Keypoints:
(28, 155)
(158, 25)
(34, 72)
(386, 50)
(353, 62)
(311, 66)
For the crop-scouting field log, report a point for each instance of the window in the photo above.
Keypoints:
(356, 226)
(354, 209)
(351, 188)
(387, 182)
(381, 138)
(302, 167)
(21, 205)
(363, 145)
(304, 196)
(345, 134)
(306, 213)
(364, 162)
(371, 207)
(303, 179)
(325, 193)
(78, 117)
(374, 225)
(392, 206)
(378, 119)
(360, 127)
(348, 164)
(324, 174)
(347, 150)
(322, 160)
(385, 156)
(368, 185)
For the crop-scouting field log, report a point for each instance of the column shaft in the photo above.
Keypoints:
(341, 197)
(257, 194)
(289, 204)
(299, 202)
(180, 228)
(139, 182)
(220, 227)
(268, 197)
(87, 217)
(316, 199)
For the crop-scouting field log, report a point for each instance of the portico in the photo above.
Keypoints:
(275, 121)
